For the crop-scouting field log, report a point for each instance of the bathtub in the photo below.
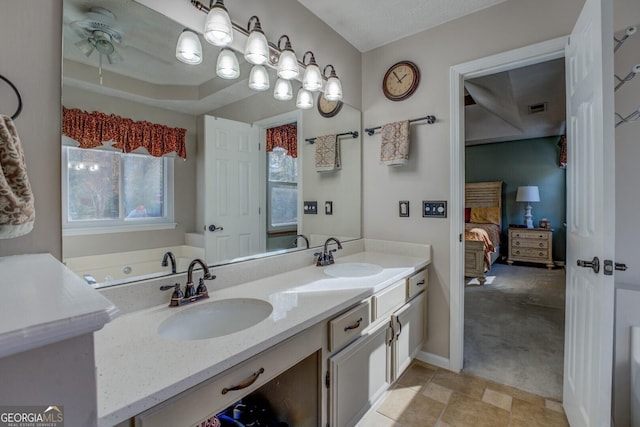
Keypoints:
(635, 376)
(116, 268)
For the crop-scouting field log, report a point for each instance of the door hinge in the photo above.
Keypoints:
(327, 379)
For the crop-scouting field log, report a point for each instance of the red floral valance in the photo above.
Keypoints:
(92, 129)
(285, 136)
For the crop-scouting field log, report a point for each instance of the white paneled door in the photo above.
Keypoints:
(232, 216)
(590, 217)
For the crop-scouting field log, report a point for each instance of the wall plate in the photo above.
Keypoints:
(310, 208)
(434, 209)
(403, 208)
(328, 208)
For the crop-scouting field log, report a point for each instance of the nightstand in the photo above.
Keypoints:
(531, 245)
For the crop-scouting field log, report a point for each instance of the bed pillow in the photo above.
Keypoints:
(486, 215)
(467, 214)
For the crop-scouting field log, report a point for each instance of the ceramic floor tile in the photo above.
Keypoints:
(415, 377)
(553, 405)
(465, 384)
(524, 414)
(410, 408)
(375, 419)
(464, 411)
(437, 392)
(517, 393)
(495, 398)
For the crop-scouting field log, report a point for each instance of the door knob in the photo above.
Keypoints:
(213, 228)
(593, 264)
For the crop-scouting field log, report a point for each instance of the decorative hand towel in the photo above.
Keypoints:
(327, 153)
(17, 212)
(394, 149)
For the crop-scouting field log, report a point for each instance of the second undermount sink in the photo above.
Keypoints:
(352, 269)
(215, 319)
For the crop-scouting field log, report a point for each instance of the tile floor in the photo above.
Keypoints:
(427, 396)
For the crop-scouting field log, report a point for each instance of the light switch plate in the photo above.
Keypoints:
(434, 209)
(310, 208)
(328, 208)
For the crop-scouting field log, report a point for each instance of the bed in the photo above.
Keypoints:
(483, 204)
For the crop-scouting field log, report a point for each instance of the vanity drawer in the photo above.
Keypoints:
(417, 283)
(348, 326)
(389, 299)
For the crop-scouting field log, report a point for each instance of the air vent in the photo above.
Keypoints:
(538, 108)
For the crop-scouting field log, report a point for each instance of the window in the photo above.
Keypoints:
(114, 191)
(282, 188)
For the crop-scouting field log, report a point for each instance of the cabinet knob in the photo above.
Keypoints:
(540, 244)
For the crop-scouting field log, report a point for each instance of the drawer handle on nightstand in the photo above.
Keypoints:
(540, 244)
(420, 283)
(541, 253)
(517, 252)
(245, 383)
(356, 325)
(517, 243)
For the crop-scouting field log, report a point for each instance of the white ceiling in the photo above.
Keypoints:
(368, 24)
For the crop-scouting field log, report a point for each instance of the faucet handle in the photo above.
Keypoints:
(177, 292)
(201, 286)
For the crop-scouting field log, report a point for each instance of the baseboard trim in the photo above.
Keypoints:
(434, 359)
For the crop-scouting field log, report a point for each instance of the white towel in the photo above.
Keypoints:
(327, 153)
(17, 212)
(394, 147)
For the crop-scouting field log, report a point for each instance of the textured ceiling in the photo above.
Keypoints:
(368, 24)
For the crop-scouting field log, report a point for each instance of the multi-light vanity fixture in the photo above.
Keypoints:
(218, 30)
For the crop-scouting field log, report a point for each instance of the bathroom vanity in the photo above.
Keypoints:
(332, 345)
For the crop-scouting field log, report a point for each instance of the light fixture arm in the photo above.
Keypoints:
(218, 3)
(256, 24)
(287, 45)
(312, 61)
(333, 71)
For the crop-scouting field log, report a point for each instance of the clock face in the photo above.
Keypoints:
(401, 80)
(328, 108)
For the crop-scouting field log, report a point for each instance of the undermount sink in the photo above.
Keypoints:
(352, 269)
(214, 319)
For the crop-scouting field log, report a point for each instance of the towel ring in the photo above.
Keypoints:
(15, 89)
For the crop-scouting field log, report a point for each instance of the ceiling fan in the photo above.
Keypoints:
(99, 33)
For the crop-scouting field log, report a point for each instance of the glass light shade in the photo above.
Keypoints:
(256, 50)
(227, 66)
(217, 27)
(258, 78)
(312, 79)
(333, 89)
(283, 90)
(85, 46)
(288, 65)
(304, 100)
(188, 48)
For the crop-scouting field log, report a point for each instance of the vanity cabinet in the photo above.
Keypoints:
(360, 373)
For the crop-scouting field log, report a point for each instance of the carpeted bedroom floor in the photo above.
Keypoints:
(514, 328)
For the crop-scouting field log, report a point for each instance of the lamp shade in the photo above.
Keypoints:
(304, 100)
(528, 193)
(217, 27)
(282, 90)
(227, 66)
(188, 48)
(256, 50)
(259, 78)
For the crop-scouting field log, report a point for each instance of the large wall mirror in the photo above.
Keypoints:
(123, 212)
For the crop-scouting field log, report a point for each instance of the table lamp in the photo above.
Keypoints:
(528, 194)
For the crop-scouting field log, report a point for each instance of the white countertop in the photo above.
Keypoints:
(44, 302)
(137, 368)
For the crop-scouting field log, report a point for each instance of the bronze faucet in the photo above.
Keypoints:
(192, 294)
(326, 256)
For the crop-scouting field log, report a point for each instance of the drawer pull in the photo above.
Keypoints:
(540, 244)
(517, 243)
(541, 253)
(517, 252)
(355, 325)
(246, 383)
(420, 283)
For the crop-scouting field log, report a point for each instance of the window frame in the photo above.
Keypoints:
(287, 228)
(122, 224)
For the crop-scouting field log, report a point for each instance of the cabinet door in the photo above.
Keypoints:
(409, 327)
(359, 375)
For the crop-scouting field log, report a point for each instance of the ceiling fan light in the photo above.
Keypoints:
(188, 48)
(217, 27)
(227, 66)
(304, 100)
(312, 79)
(114, 57)
(256, 50)
(282, 90)
(258, 78)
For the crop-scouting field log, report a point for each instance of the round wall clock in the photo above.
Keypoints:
(328, 108)
(401, 80)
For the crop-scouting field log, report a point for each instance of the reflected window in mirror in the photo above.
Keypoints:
(109, 190)
(283, 191)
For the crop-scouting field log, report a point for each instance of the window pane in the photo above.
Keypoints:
(282, 167)
(284, 205)
(93, 184)
(143, 186)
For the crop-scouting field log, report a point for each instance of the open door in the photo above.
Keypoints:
(232, 215)
(590, 217)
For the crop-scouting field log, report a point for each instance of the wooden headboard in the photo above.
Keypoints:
(483, 194)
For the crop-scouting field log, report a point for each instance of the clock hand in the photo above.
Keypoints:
(402, 78)
(399, 79)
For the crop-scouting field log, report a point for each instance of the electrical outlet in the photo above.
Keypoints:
(310, 208)
(434, 209)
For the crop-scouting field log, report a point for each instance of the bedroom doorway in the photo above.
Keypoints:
(507, 365)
